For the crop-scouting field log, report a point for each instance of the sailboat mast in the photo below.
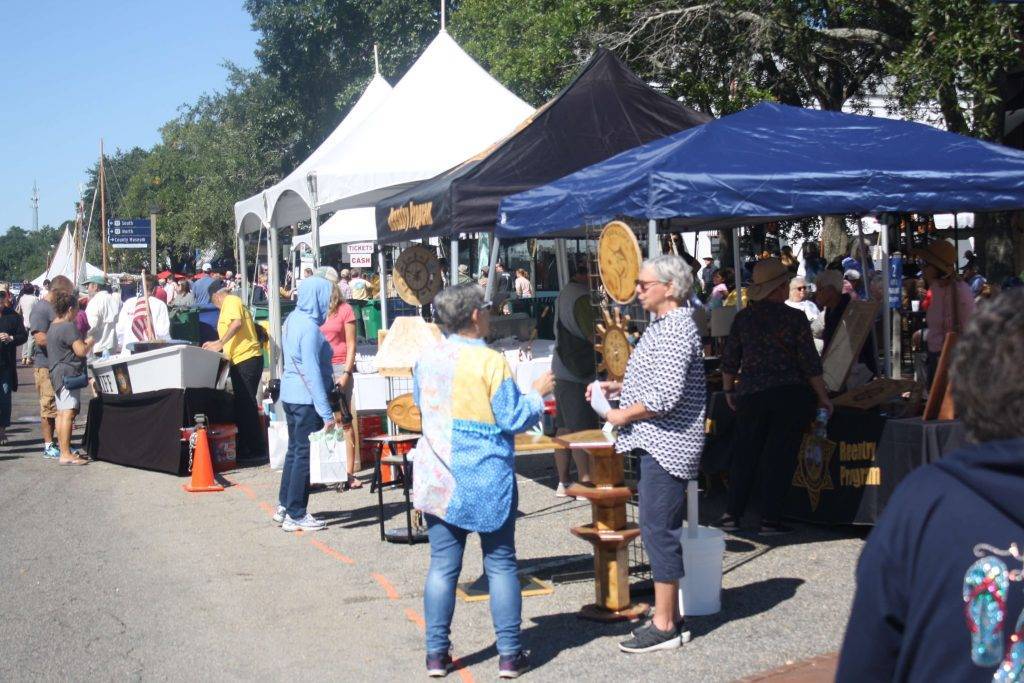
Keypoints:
(103, 209)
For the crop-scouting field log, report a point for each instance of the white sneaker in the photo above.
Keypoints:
(307, 523)
(560, 491)
(280, 514)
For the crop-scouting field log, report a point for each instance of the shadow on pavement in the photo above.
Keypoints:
(746, 601)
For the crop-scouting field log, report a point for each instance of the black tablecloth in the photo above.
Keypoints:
(144, 430)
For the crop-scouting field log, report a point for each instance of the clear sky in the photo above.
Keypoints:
(73, 72)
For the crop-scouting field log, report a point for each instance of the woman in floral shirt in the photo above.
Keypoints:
(464, 471)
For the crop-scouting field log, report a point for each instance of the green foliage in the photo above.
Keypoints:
(957, 58)
(24, 253)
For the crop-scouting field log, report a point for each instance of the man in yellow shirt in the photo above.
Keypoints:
(238, 340)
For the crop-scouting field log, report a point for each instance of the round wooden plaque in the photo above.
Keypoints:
(417, 275)
(405, 414)
(618, 260)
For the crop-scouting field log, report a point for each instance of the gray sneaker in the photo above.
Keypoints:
(307, 523)
(280, 514)
(651, 638)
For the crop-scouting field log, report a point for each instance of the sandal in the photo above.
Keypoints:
(74, 462)
(353, 483)
(985, 586)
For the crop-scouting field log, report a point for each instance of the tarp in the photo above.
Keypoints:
(289, 200)
(775, 162)
(344, 227)
(63, 263)
(604, 110)
(445, 109)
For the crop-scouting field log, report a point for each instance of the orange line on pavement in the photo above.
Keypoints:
(267, 507)
(331, 552)
(247, 491)
(386, 585)
(414, 616)
(464, 672)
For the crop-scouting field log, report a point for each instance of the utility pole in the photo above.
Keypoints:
(103, 208)
(35, 206)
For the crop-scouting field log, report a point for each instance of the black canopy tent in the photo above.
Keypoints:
(605, 110)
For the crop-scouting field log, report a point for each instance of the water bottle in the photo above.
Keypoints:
(821, 422)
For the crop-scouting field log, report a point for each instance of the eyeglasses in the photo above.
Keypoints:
(799, 289)
(644, 284)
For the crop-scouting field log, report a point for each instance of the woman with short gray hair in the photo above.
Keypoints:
(465, 477)
(661, 422)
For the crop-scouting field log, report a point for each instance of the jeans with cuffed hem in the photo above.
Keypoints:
(6, 384)
(294, 495)
(447, 544)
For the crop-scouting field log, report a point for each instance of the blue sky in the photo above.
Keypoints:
(74, 72)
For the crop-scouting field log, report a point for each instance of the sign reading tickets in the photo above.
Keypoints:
(360, 248)
(128, 233)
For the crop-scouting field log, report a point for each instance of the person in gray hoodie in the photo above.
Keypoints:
(304, 386)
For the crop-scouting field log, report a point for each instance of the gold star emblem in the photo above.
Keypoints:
(812, 468)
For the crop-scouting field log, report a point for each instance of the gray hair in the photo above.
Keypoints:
(796, 282)
(673, 271)
(455, 305)
(327, 273)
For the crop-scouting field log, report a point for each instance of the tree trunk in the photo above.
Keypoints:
(834, 240)
(999, 244)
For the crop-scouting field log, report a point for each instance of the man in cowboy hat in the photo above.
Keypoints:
(770, 347)
(952, 303)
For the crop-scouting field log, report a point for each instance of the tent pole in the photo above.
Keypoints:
(453, 278)
(274, 301)
(383, 289)
(862, 250)
(956, 244)
(561, 262)
(652, 239)
(737, 271)
(491, 270)
(886, 310)
(242, 268)
(314, 218)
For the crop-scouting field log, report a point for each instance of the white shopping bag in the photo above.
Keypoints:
(328, 452)
(277, 442)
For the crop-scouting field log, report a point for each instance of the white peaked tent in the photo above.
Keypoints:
(291, 196)
(444, 110)
(63, 263)
(344, 227)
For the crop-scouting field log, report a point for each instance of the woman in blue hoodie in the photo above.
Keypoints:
(940, 593)
(304, 386)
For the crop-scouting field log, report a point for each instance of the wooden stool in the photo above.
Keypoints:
(409, 534)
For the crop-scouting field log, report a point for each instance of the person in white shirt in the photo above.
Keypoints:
(101, 312)
(26, 302)
(157, 310)
(170, 288)
(798, 300)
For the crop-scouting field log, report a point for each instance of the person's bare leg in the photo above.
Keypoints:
(65, 419)
(582, 461)
(46, 425)
(562, 465)
(666, 604)
(350, 459)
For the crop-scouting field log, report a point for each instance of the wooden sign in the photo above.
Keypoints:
(417, 275)
(614, 347)
(874, 393)
(847, 341)
(940, 396)
(404, 413)
(403, 345)
(618, 261)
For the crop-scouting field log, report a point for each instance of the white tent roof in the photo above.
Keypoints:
(291, 195)
(63, 263)
(446, 109)
(344, 227)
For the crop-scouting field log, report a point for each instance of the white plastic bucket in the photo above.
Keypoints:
(700, 590)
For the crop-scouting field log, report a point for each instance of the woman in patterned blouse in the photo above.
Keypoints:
(661, 420)
(772, 375)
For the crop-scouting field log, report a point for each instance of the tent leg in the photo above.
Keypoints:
(242, 268)
(737, 271)
(863, 252)
(886, 310)
(491, 270)
(561, 262)
(274, 301)
(383, 289)
(453, 278)
(653, 248)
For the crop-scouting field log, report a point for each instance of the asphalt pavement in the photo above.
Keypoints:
(116, 573)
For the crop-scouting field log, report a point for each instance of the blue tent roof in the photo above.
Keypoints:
(775, 162)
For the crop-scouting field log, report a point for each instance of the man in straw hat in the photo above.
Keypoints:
(773, 377)
(952, 303)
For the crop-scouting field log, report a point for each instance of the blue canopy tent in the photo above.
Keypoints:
(775, 162)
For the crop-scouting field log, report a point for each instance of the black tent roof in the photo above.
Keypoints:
(605, 110)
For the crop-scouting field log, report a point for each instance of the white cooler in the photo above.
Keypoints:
(173, 367)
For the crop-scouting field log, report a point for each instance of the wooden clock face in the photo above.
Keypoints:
(417, 275)
(618, 259)
(615, 345)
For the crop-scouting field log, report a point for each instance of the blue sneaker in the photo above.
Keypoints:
(511, 666)
(50, 450)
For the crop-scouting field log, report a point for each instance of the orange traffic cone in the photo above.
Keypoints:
(202, 464)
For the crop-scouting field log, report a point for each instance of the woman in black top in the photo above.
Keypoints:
(12, 335)
(772, 374)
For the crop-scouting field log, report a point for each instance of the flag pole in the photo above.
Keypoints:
(149, 314)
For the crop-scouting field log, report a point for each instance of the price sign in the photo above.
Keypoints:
(360, 248)
(361, 260)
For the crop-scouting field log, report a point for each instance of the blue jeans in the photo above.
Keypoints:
(5, 397)
(447, 544)
(294, 495)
